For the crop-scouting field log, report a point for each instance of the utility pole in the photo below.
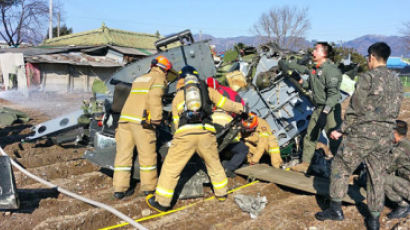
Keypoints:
(50, 28)
(58, 24)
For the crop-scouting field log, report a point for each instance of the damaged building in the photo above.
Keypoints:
(72, 62)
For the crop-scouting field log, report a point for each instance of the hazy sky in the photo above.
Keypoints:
(340, 20)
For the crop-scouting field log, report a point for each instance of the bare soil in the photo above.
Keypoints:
(45, 208)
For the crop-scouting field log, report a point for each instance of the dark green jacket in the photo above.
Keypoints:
(400, 159)
(324, 82)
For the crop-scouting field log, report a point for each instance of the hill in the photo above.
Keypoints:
(397, 43)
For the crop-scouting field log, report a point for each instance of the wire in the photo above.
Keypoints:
(76, 196)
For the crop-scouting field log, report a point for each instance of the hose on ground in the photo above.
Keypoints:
(76, 196)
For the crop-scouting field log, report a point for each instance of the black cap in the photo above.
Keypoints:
(401, 127)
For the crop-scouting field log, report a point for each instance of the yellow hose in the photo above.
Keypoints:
(176, 210)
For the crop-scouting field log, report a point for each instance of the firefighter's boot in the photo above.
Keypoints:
(153, 204)
(120, 195)
(221, 198)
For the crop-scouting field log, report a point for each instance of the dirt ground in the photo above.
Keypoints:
(45, 208)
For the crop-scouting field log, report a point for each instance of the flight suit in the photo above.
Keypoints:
(263, 141)
(324, 81)
(144, 103)
(191, 138)
(397, 183)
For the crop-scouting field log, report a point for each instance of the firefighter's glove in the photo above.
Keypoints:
(146, 125)
(320, 124)
(244, 115)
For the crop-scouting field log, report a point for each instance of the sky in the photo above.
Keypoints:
(336, 21)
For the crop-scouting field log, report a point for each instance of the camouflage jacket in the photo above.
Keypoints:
(324, 81)
(374, 106)
(400, 159)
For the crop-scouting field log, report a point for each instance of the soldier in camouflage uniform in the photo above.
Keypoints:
(324, 82)
(397, 183)
(368, 136)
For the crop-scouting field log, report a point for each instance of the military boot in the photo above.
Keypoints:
(402, 211)
(372, 223)
(334, 212)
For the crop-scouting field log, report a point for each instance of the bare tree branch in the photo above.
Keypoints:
(286, 26)
(24, 20)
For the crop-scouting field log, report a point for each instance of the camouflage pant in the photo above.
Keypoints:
(397, 188)
(352, 152)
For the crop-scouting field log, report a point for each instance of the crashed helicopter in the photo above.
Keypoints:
(279, 100)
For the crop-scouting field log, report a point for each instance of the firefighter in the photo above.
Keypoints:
(141, 113)
(224, 90)
(221, 119)
(191, 110)
(257, 135)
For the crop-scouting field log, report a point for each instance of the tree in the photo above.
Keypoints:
(342, 52)
(286, 26)
(157, 34)
(23, 20)
(64, 30)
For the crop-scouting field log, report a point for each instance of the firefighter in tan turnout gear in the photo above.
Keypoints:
(191, 110)
(257, 135)
(141, 113)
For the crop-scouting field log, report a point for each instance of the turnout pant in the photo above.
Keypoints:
(397, 189)
(334, 119)
(183, 146)
(128, 135)
(274, 152)
(352, 152)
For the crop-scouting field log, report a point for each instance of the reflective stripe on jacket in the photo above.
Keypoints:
(145, 95)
